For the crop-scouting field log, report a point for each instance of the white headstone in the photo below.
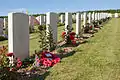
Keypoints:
(62, 18)
(18, 34)
(68, 20)
(89, 18)
(5, 22)
(81, 16)
(116, 15)
(78, 23)
(96, 16)
(1, 25)
(42, 20)
(51, 19)
(110, 15)
(101, 15)
(84, 19)
(31, 22)
(38, 18)
(93, 16)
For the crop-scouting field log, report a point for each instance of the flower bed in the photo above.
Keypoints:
(12, 68)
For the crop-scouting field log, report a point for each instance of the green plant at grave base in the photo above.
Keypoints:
(100, 22)
(68, 35)
(30, 29)
(42, 37)
(87, 28)
(60, 24)
(6, 31)
(46, 38)
(5, 74)
(73, 20)
(50, 41)
(3, 57)
(60, 50)
(2, 38)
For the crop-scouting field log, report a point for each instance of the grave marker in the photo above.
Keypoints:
(78, 23)
(18, 34)
(68, 20)
(1, 25)
(51, 19)
(84, 19)
(62, 18)
(89, 18)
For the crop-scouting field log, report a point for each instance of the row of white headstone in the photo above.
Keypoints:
(116, 15)
(18, 29)
(42, 19)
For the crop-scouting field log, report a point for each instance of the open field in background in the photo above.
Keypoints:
(98, 59)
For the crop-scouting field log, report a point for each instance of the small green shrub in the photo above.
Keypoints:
(60, 24)
(2, 38)
(6, 31)
(74, 21)
(30, 29)
(60, 50)
(42, 37)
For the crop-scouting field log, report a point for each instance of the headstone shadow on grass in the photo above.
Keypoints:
(66, 54)
(42, 77)
(84, 42)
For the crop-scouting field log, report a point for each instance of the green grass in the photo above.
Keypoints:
(98, 59)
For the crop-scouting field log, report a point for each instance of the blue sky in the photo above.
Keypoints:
(43, 6)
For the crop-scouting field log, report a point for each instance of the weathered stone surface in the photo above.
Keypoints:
(1, 25)
(78, 23)
(89, 18)
(116, 15)
(51, 20)
(62, 18)
(5, 22)
(18, 34)
(93, 16)
(68, 20)
(84, 19)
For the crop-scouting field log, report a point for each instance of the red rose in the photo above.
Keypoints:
(72, 37)
(19, 63)
(90, 26)
(72, 33)
(74, 42)
(65, 50)
(10, 54)
(63, 34)
(12, 69)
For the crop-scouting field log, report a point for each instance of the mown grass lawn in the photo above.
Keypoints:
(98, 59)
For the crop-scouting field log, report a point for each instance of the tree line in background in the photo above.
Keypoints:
(110, 11)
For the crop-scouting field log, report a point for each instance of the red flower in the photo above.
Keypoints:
(72, 37)
(63, 34)
(72, 33)
(47, 62)
(12, 69)
(10, 54)
(74, 42)
(65, 50)
(19, 63)
(90, 26)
